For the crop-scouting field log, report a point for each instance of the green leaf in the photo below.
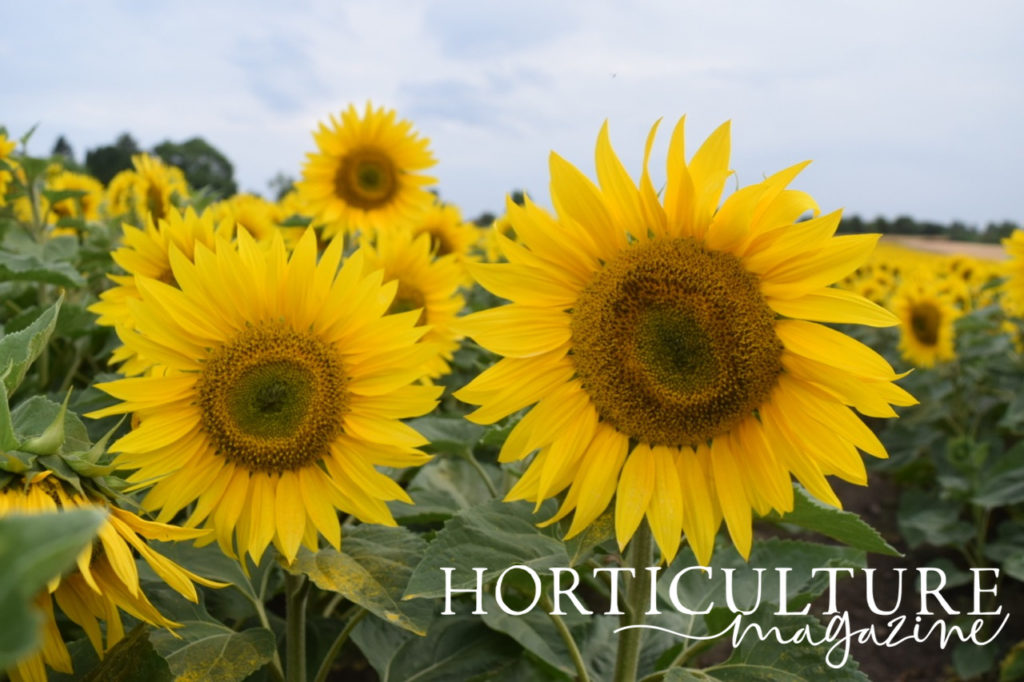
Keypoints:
(534, 631)
(133, 659)
(1013, 565)
(447, 434)
(379, 642)
(494, 536)
(55, 195)
(33, 550)
(202, 650)
(34, 416)
(771, 661)
(600, 530)
(7, 439)
(210, 562)
(454, 648)
(20, 349)
(372, 570)
(1002, 483)
(26, 267)
(846, 527)
(971, 660)
(442, 488)
(924, 518)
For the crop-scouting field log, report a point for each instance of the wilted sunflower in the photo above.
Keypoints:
(424, 284)
(106, 580)
(146, 253)
(672, 350)
(365, 174)
(926, 320)
(285, 385)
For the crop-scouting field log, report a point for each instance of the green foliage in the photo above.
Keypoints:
(34, 549)
(202, 650)
(107, 161)
(202, 163)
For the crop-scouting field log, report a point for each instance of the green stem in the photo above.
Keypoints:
(296, 589)
(339, 642)
(570, 643)
(483, 473)
(641, 553)
(261, 611)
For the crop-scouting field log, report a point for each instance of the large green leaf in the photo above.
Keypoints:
(924, 518)
(846, 527)
(33, 550)
(212, 652)
(31, 268)
(372, 570)
(534, 631)
(454, 648)
(1002, 482)
(20, 349)
(448, 434)
(444, 487)
(7, 439)
(133, 659)
(492, 536)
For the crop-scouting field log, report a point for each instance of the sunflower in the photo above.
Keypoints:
(926, 314)
(673, 353)
(150, 190)
(85, 206)
(430, 286)
(256, 215)
(489, 241)
(285, 383)
(146, 253)
(365, 174)
(1013, 270)
(449, 235)
(6, 148)
(106, 580)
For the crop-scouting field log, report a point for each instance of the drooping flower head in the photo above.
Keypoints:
(672, 350)
(106, 580)
(366, 173)
(285, 383)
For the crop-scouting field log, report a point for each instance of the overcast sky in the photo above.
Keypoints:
(909, 108)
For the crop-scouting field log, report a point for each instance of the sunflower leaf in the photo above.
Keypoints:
(133, 659)
(31, 268)
(453, 649)
(492, 536)
(201, 650)
(846, 527)
(33, 550)
(20, 349)
(371, 570)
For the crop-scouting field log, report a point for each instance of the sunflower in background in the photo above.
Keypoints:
(145, 252)
(7, 147)
(85, 206)
(285, 383)
(490, 241)
(106, 580)
(672, 352)
(927, 312)
(1013, 270)
(366, 174)
(425, 284)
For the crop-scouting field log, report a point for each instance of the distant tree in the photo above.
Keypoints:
(63, 148)
(202, 163)
(280, 185)
(518, 196)
(103, 163)
(484, 219)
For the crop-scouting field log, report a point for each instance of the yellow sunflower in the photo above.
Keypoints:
(86, 206)
(430, 286)
(491, 248)
(366, 173)
(672, 351)
(926, 314)
(1013, 270)
(146, 253)
(151, 188)
(256, 215)
(285, 385)
(106, 580)
(7, 147)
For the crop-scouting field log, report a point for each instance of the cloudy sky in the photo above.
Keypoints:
(905, 107)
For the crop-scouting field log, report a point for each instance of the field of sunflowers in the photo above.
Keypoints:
(349, 435)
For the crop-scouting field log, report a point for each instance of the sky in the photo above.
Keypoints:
(906, 108)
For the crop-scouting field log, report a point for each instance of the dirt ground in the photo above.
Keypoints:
(948, 247)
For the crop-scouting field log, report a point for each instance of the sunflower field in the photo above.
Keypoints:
(350, 435)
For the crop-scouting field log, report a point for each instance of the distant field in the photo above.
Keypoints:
(949, 247)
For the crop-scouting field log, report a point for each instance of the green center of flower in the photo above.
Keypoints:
(273, 398)
(366, 179)
(925, 319)
(674, 343)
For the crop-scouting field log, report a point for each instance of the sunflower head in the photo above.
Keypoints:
(672, 350)
(105, 581)
(366, 172)
(927, 311)
(281, 384)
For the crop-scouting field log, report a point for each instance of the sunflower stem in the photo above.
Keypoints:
(296, 589)
(641, 553)
(570, 643)
(483, 473)
(339, 642)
